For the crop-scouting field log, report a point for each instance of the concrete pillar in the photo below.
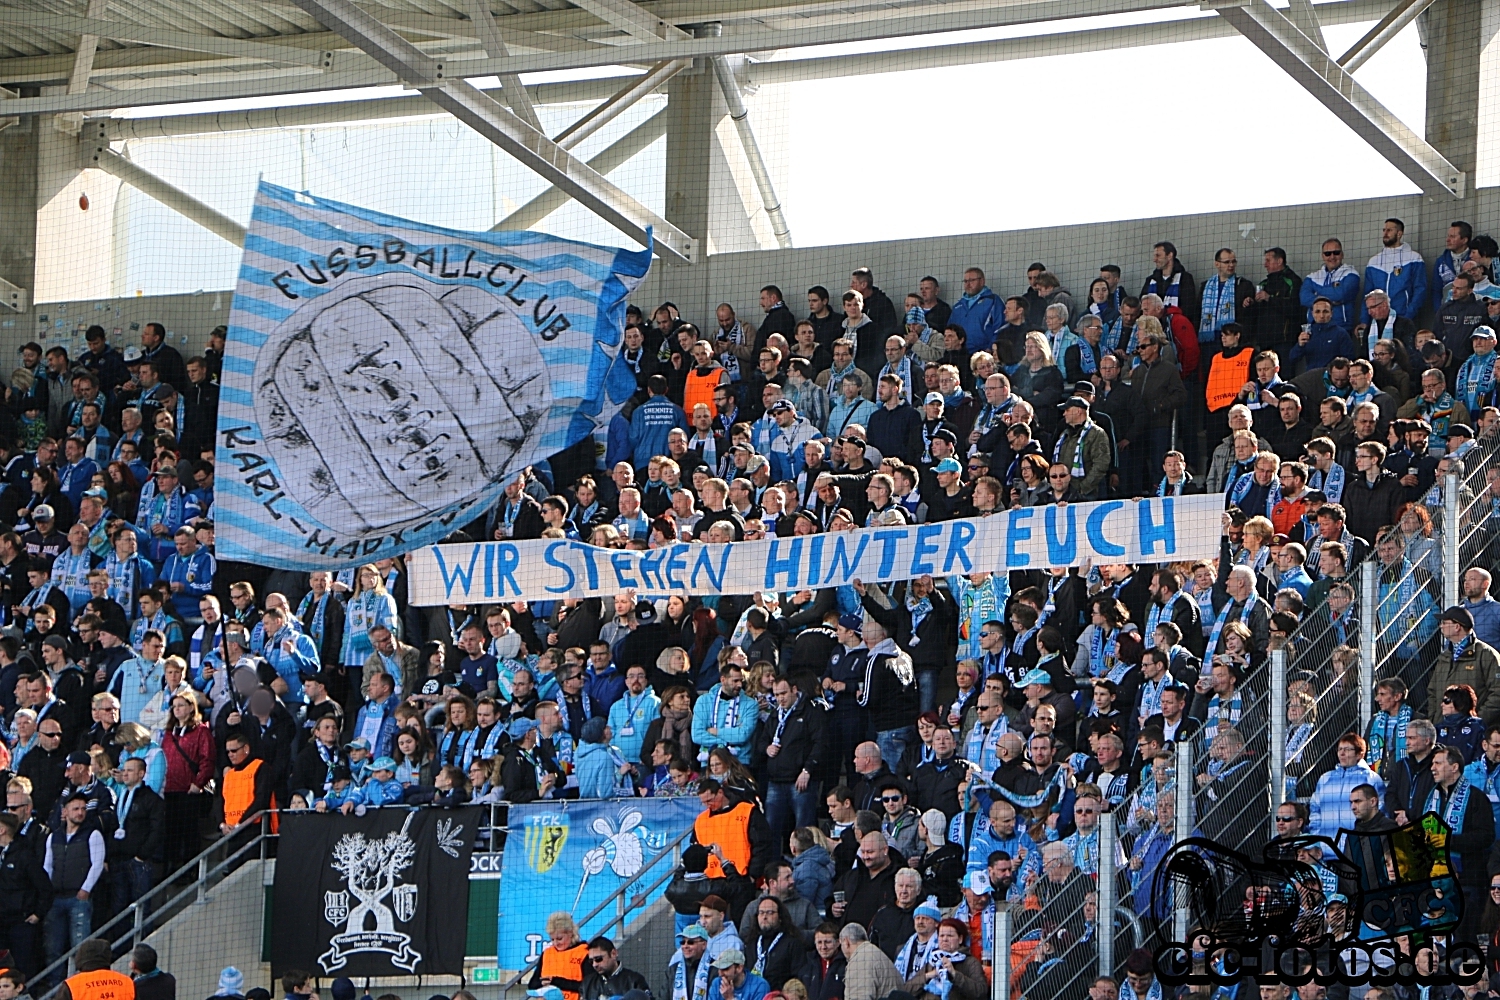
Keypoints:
(1453, 46)
(694, 108)
(18, 179)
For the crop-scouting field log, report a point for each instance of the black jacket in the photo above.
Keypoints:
(937, 788)
(1272, 322)
(24, 887)
(1455, 324)
(597, 987)
(145, 827)
(1371, 507)
(864, 895)
(1127, 411)
(803, 742)
(824, 983)
(784, 958)
(896, 433)
(929, 647)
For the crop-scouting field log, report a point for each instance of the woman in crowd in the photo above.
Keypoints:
(414, 759)
(188, 748)
(368, 606)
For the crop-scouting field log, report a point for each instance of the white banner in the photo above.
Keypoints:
(1154, 530)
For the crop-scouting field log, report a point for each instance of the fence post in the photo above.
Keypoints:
(1278, 728)
(1000, 960)
(1369, 627)
(1105, 929)
(1183, 785)
(1452, 539)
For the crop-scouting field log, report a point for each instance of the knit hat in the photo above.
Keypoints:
(593, 731)
(232, 983)
(928, 908)
(342, 988)
(916, 315)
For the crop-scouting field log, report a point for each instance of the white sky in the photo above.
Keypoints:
(1152, 131)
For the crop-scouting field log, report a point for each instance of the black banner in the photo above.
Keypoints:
(383, 894)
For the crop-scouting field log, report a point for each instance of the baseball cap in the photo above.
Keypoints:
(716, 902)
(96, 493)
(852, 622)
(932, 397)
(383, 764)
(167, 469)
(1036, 676)
(645, 612)
(1459, 614)
(948, 465)
(1482, 333)
(357, 744)
(1083, 388)
(79, 757)
(546, 993)
(782, 405)
(694, 931)
(944, 434)
(42, 512)
(728, 958)
(1073, 401)
(1460, 431)
(855, 440)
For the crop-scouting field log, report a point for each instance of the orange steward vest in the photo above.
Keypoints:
(1226, 377)
(565, 965)
(731, 831)
(239, 793)
(700, 389)
(102, 984)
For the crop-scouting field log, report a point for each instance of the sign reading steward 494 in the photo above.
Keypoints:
(1158, 529)
(383, 379)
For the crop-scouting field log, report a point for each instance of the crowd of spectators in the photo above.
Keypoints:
(877, 763)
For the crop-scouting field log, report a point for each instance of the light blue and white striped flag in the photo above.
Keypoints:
(383, 379)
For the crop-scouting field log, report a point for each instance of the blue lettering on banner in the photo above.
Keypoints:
(705, 563)
(590, 567)
(889, 539)
(925, 548)
(551, 559)
(815, 556)
(623, 563)
(1095, 527)
(676, 563)
(841, 558)
(509, 558)
(1061, 551)
(776, 565)
(1151, 532)
(959, 537)
(1018, 533)
(459, 574)
(650, 569)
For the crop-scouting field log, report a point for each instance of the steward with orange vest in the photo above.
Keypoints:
(738, 839)
(247, 786)
(95, 980)
(563, 968)
(1228, 371)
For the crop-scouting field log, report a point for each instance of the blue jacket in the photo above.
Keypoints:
(302, 661)
(335, 797)
(812, 873)
(379, 719)
(650, 424)
(384, 793)
(1486, 779)
(595, 769)
(1486, 621)
(605, 687)
(629, 717)
(1341, 287)
(980, 317)
(710, 712)
(1328, 341)
(617, 442)
(1403, 275)
(195, 573)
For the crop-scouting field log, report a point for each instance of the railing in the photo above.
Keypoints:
(624, 901)
(171, 895)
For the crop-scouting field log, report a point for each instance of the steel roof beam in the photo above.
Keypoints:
(502, 127)
(1270, 31)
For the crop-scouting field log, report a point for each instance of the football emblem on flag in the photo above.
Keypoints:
(382, 402)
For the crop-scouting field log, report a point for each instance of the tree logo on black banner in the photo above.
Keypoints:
(372, 870)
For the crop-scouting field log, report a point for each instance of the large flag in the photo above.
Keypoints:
(383, 894)
(383, 379)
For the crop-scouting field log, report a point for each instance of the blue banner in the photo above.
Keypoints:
(571, 855)
(383, 379)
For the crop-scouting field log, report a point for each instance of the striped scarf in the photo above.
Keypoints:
(1220, 292)
(1083, 432)
(1166, 488)
(1245, 483)
(1213, 635)
(903, 370)
(1475, 383)
(1452, 812)
(1387, 739)
(1439, 414)
(1170, 296)
(1162, 612)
